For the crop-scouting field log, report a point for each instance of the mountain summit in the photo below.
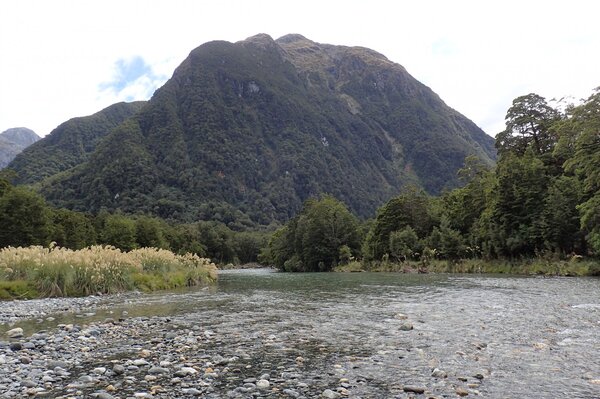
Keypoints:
(13, 141)
(245, 132)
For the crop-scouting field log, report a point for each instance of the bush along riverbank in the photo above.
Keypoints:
(537, 266)
(37, 271)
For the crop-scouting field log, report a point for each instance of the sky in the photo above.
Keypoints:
(61, 59)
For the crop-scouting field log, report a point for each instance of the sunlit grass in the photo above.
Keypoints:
(51, 272)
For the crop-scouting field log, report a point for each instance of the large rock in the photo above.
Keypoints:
(15, 333)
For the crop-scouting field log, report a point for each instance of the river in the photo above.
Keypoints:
(486, 336)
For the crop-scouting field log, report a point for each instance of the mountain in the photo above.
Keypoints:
(70, 143)
(245, 132)
(13, 141)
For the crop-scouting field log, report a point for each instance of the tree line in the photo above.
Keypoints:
(541, 200)
(27, 219)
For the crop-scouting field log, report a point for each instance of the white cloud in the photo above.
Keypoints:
(478, 56)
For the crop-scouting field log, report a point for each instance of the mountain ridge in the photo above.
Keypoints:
(13, 141)
(70, 143)
(245, 132)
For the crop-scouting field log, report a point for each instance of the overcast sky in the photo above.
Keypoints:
(60, 59)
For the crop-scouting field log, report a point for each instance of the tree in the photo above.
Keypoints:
(24, 217)
(149, 232)
(72, 229)
(218, 241)
(324, 226)
(413, 208)
(447, 243)
(404, 244)
(323, 234)
(518, 204)
(463, 206)
(280, 247)
(560, 221)
(119, 231)
(528, 123)
(585, 164)
(247, 245)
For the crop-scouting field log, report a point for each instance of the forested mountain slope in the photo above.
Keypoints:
(245, 132)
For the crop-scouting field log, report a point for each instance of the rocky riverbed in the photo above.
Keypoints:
(166, 357)
(258, 337)
(179, 357)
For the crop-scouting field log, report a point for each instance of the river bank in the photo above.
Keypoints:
(526, 267)
(332, 335)
(173, 357)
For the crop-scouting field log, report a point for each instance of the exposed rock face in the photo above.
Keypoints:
(13, 141)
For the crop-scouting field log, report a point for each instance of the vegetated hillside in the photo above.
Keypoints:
(70, 143)
(13, 141)
(245, 132)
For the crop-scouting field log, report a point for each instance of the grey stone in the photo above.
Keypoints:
(191, 391)
(158, 370)
(413, 389)
(16, 346)
(15, 333)
(262, 384)
(437, 373)
(118, 369)
(329, 394)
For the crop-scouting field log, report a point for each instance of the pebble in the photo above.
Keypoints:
(437, 373)
(413, 389)
(262, 384)
(182, 372)
(406, 326)
(191, 391)
(118, 369)
(158, 370)
(176, 356)
(329, 394)
(16, 346)
(15, 333)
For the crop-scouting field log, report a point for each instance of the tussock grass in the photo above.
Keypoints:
(535, 266)
(50, 272)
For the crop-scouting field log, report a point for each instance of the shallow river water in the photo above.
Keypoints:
(485, 336)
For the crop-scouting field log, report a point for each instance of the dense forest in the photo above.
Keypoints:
(27, 219)
(542, 199)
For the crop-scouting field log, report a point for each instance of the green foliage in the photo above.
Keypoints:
(18, 289)
(71, 229)
(24, 217)
(517, 208)
(528, 126)
(322, 235)
(149, 232)
(448, 243)
(218, 241)
(413, 208)
(69, 144)
(247, 245)
(244, 133)
(404, 244)
(119, 231)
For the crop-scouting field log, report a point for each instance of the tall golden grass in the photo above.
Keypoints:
(56, 271)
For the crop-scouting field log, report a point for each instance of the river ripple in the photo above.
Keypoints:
(493, 336)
